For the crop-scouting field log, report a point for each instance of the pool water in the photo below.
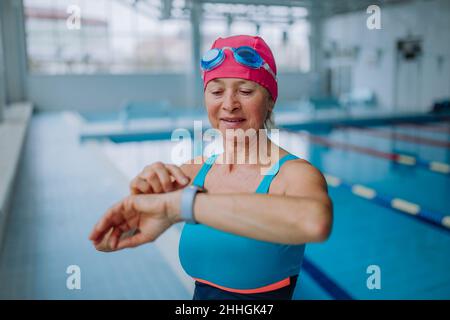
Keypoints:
(411, 258)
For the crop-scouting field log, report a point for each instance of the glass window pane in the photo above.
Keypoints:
(211, 30)
(283, 28)
(115, 37)
(122, 37)
(121, 19)
(243, 27)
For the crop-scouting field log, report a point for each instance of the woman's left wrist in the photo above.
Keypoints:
(172, 201)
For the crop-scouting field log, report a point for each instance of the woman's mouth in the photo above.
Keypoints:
(232, 122)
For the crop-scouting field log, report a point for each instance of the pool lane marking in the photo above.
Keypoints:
(405, 206)
(385, 133)
(446, 221)
(363, 191)
(440, 167)
(324, 281)
(403, 159)
(412, 209)
(435, 166)
(406, 160)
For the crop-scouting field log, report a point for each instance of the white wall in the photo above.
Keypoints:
(2, 77)
(429, 20)
(14, 56)
(103, 92)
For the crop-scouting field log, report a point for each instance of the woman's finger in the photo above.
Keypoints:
(121, 232)
(114, 238)
(155, 184)
(158, 178)
(112, 217)
(139, 185)
(150, 175)
(178, 174)
(164, 179)
(103, 245)
(133, 241)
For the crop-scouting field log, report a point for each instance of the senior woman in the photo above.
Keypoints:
(245, 231)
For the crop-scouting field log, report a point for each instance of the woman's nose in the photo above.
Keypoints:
(230, 102)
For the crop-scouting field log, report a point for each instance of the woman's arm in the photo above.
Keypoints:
(302, 214)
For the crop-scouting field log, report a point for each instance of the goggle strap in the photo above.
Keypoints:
(269, 69)
(265, 64)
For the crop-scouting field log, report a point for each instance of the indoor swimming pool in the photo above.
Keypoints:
(390, 187)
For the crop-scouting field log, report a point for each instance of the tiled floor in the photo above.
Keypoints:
(61, 190)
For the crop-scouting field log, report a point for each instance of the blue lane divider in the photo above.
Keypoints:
(435, 166)
(400, 158)
(324, 281)
(414, 210)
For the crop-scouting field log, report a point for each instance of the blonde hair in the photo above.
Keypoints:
(269, 123)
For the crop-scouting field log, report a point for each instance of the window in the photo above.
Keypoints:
(283, 28)
(115, 36)
(131, 36)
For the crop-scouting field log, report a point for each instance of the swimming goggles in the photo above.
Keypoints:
(246, 56)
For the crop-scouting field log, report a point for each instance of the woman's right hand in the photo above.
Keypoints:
(159, 178)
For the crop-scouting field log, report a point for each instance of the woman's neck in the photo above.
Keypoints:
(259, 151)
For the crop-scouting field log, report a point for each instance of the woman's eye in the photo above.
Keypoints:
(216, 93)
(246, 92)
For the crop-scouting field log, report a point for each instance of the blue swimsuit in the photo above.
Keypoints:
(236, 263)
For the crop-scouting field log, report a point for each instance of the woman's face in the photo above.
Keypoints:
(234, 103)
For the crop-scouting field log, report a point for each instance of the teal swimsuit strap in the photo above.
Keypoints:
(199, 179)
(263, 187)
(267, 180)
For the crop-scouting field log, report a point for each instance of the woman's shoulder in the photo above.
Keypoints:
(301, 171)
(294, 165)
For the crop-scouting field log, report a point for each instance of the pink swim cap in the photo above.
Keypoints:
(232, 69)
